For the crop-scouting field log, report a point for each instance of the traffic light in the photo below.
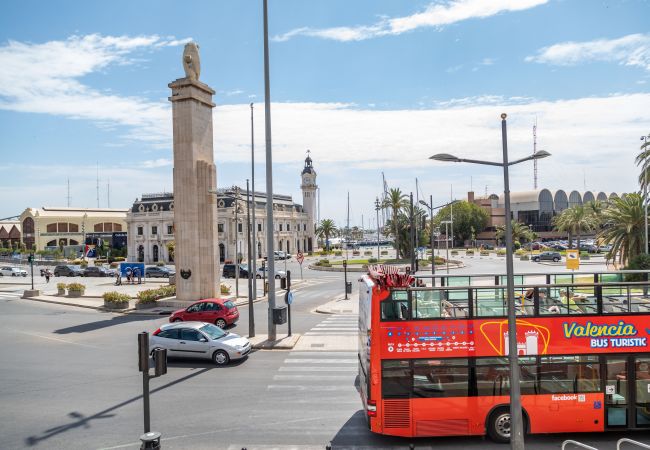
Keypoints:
(30, 258)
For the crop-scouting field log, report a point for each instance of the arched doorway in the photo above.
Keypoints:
(288, 247)
(222, 253)
(259, 249)
(309, 245)
(140, 253)
(155, 253)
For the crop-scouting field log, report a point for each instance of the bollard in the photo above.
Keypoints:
(150, 441)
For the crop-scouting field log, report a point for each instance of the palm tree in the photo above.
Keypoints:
(643, 160)
(520, 232)
(396, 201)
(325, 229)
(623, 227)
(576, 220)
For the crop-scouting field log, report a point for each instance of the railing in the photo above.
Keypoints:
(577, 444)
(630, 441)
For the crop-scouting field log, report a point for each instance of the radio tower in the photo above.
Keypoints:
(535, 152)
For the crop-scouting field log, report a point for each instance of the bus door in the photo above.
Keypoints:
(627, 391)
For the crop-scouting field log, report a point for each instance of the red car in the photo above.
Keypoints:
(213, 310)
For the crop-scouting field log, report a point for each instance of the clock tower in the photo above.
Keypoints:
(309, 194)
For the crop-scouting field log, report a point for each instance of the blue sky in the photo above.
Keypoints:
(368, 86)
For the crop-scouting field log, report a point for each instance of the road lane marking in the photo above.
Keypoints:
(319, 360)
(53, 338)
(318, 369)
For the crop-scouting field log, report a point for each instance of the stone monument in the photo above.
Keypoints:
(195, 210)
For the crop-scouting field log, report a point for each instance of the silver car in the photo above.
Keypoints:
(199, 340)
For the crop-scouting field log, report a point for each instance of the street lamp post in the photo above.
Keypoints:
(431, 208)
(251, 271)
(645, 196)
(516, 419)
(236, 203)
(254, 226)
(446, 222)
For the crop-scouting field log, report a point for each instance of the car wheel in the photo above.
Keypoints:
(220, 358)
(220, 323)
(556, 259)
(259, 277)
(277, 277)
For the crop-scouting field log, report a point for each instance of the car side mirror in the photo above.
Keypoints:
(203, 340)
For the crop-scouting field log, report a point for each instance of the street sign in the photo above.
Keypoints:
(288, 298)
(300, 257)
(573, 259)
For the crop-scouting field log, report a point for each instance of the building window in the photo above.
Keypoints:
(304, 227)
(140, 231)
(280, 225)
(154, 230)
(240, 227)
(288, 227)
(259, 227)
(220, 227)
(170, 229)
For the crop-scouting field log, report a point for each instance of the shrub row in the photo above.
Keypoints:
(152, 295)
(116, 297)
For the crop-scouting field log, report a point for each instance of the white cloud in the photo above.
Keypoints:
(156, 163)
(233, 92)
(435, 15)
(630, 50)
(47, 78)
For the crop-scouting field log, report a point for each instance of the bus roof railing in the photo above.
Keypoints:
(526, 286)
(519, 274)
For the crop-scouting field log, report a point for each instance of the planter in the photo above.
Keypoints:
(60, 292)
(146, 305)
(75, 294)
(116, 305)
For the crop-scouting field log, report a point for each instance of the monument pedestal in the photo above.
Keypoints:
(195, 209)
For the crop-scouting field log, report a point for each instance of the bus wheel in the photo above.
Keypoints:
(498, 426)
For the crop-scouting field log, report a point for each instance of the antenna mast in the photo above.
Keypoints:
(534, 153)
(97, 185)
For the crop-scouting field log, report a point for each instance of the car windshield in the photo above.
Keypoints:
(213, 331)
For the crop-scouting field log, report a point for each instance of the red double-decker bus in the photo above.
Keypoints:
(433, 361)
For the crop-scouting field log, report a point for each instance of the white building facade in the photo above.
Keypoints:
(150, 223)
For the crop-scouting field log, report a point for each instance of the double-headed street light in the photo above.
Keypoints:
(431, 208)
(516, 421)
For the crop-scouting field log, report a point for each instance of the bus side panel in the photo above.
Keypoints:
(561, 413)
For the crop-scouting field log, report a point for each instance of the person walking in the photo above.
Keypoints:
(47, 275)
(118, 278)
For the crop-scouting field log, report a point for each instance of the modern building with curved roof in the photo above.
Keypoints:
(534, 208)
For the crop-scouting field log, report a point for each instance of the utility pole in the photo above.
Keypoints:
(412, 236)
(254, 244)
(251, 270)
(269, 176)
(534, 152)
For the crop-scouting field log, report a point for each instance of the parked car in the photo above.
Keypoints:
(8, 271)
(214, 310)
(547, 256)
(559, 247)
(95, 271)
(158, 272)
(68, 271)
(229, 271)
(199, 340)
(278, 254)
(588, 248)
(605, 248)
(264, 273)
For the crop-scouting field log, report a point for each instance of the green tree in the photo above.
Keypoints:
(467, 216)
(325, 230)
(171, 246)
(576, 221)
(520, 233)
(397, 202)
(623, 226)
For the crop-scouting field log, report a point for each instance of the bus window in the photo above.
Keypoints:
(395, 307)
(431, 379)
(426, 304)
(396, 379)
(569, 374)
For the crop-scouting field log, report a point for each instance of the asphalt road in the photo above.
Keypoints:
(69, 380)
